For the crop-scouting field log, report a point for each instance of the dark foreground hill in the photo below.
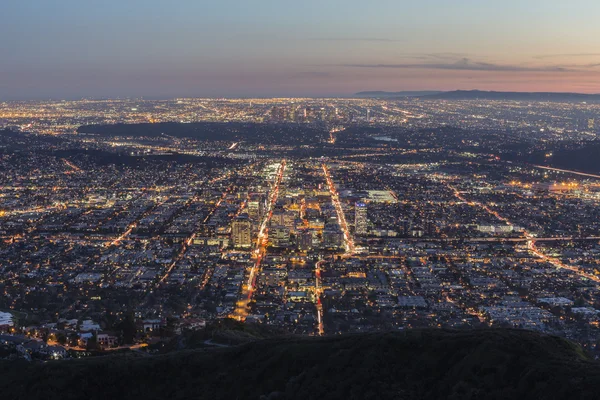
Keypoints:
(420, 364)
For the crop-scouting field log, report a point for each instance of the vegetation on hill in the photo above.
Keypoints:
(223, 332)
(290, 134)
(584, 157)
(417, 364)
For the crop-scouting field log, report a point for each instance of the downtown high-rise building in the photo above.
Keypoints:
(360, 219)
(241, 232)
(333, 237)
(305, 240)
(285, 218)
(279, 236)
(256, 207)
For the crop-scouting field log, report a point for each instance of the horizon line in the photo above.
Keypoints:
(290, 96)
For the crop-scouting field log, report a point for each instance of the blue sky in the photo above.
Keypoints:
(67, 48)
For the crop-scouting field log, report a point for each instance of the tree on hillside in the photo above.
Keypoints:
(128, 328)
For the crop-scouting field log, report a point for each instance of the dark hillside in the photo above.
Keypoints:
(419, 364)
(290, 134)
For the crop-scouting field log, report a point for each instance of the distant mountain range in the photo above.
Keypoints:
(485, 95)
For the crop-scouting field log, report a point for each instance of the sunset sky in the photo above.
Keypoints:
(159, 48)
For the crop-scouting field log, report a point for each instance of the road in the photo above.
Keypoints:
(177, 258)
(480, 205)
(568, 171)
(191, 238)
(533, 249)
(241, 310)
(123, 236)
(495, 239)
(74, 167)
(318, 293)
(335, 198)
(133, 225)
(531, 241)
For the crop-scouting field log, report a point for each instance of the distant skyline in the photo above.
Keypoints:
(235, 48)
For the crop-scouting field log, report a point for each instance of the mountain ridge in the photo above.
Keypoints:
(488, 95)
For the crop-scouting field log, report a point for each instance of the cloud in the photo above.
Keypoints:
(544, 56)
(353, 39)
(464, 64)
(435, 56)
(312, 74)
(445, 56)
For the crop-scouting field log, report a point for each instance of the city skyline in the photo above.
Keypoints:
(238, 49)
(332, 199)
(316, 217)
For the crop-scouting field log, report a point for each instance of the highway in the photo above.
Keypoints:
(568, 171)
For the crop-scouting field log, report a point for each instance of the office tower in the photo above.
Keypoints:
(360, 219)
(241, 232)
(278, 114)
(256, 207)
(279, 236)
(277, 217)
(289, 219)
(333, 236)
(305, 240)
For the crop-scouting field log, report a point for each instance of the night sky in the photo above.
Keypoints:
(159, 48)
